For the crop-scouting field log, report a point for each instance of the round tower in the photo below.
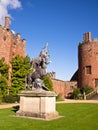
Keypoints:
(88, 62)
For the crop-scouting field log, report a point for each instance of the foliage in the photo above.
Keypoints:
(3, 85)
(3, 79)
(75, 116)
(4, 69)
(1, 97)
(87, 89)
(10, 99)
(59, 98)
(20, 68)
(76, 94)
(48, 83)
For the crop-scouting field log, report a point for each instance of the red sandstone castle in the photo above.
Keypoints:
(10, 44)
(87, 74)
(88, 62)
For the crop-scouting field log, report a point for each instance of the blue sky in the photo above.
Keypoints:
(61, 23)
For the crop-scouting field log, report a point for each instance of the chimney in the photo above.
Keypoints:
(7, 22)
(87, 37)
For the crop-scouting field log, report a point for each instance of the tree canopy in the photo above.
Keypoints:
(3, 78)
(20, 68)
(48, 83)
(4, 69)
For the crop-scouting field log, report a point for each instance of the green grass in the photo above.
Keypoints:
(76, 117)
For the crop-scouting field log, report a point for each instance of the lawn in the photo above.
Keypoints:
(76, 117)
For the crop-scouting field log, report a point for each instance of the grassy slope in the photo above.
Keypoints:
(76, 117)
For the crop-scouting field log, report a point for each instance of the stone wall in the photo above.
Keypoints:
(10, 45)
(63, 88)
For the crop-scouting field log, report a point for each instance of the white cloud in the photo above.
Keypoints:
(13, 32)
(5, 5)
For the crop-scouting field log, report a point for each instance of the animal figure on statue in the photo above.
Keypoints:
(39, 65)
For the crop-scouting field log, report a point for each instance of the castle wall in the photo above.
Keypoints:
(63, 88)
(10, 45)
(88, 62)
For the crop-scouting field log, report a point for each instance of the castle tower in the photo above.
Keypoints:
(88, 62)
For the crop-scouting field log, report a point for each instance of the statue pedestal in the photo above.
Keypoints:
(38, 104)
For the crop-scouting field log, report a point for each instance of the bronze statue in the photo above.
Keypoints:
(39, 65)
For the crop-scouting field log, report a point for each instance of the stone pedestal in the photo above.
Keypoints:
(38, 103)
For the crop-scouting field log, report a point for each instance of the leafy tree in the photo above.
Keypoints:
(20, 68)
(48, 83)
(3, 85)
(87, 89)
(76, 94)
(4, 69)
(3, 78)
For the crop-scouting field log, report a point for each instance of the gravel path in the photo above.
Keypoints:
(66, 101)
(8, 105)
(78, 101)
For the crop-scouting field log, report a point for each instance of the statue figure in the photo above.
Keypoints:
(39, 64)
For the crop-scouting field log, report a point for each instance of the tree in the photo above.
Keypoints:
(20, 68)
(87, 89)
(48, 83)
(3, 78)
(76, 94)
(4, 69)
(3, 86)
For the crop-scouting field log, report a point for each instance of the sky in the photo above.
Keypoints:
(60, 23)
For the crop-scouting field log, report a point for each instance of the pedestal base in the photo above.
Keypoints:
(38, 115)
(38, 104)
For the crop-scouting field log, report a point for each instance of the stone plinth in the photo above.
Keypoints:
(38, 103)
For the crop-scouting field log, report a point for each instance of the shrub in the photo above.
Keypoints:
(10, 99)
(48, 83)
(59, 98)
(76, 94)
(87, 89)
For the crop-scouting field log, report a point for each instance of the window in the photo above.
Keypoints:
(88, 69)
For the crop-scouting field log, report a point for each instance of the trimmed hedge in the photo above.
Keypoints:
(10, 99)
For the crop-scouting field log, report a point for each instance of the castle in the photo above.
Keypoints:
(88, 62)
(10, 45)
(87, 73)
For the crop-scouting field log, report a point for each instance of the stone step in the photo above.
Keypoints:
(94, 97)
